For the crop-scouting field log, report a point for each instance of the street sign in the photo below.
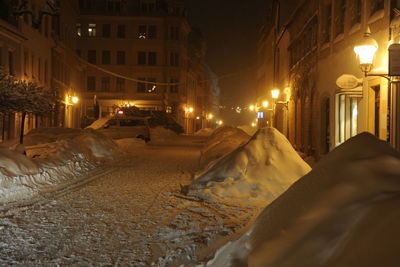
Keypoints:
(347, 81)
(394, 60)
(260, 115)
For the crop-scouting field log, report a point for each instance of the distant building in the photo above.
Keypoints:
(104, 54)
(304, 54)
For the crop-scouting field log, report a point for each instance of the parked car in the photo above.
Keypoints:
(127, 127)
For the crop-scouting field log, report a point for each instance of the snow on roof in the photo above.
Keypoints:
(345, 212)
(256, 172)
(222, 141)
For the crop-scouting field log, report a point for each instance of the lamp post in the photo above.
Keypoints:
(275, 95)
(365, 51)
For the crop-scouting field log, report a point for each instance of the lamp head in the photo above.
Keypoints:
(365, 51)
(275, 93)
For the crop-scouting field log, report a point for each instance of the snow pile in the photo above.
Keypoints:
(204, 132)
(255, 173)
(161, 134)
(127, 144)
(345, 212)
(99, 123)
(248, 129)
(223, 141)
(55, 157)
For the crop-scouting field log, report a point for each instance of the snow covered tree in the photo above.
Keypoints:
(24, 97)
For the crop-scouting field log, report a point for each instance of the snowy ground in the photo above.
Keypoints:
(129, 213)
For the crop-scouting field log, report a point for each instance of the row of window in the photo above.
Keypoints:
(143, 58)
(338, 13)
(141, 87)
(143, 31)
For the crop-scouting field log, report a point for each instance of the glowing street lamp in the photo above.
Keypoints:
(275, 93)
(252, 107)
(74, 100)
(365, 51)
(265, 104)
(210, 116)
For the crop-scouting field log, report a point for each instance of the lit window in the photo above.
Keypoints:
(78, 29)
(92, 30)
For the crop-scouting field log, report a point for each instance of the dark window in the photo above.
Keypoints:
(11, 68)
(78, 52)
(174, 88)
(141, 87)
(326, 34)
(105, 84)
(146, 87)
(340, 17)
(121, 31)
(120, 57)
(376, 5)
(105, 59)
(106, 30)
(174, 59)
(120, 84)
(152, 32)
(377, 90)
(142, 58)
(91, 83)
(152, 58)
(174, 32)
(92, 56)
(142, 32)
(356, 12)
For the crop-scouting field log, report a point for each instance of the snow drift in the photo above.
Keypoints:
(55, 156)
(256, 172)
(204, 132)
(345, 212)
(222, 141)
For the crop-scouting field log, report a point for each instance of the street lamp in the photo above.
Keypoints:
(365, 51)
(275, 93)
(265, 104)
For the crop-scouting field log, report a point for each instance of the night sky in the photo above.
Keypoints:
(231, 28)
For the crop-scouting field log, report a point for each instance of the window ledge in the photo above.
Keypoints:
(376, 16)
(355, 28)
(338, 38)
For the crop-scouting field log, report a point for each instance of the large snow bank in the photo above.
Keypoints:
(345, 212)
(222, 141)
(55, 156)
(204, 132)
(248, 129)
(161, 134)
(256, 172)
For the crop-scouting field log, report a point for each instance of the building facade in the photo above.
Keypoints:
(312, 48)
(100, 55)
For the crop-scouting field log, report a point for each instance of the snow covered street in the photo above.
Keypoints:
(130, 214)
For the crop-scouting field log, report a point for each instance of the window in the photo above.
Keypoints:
(78, 52)
(340, 17)
(356, 12)
(120, 85)
(45, 71)
(92, 30)
(152, 58)
(121, 57)
(11, 66)
(106, 30)
(79, 29)
(168, 109)
(146, 87)
(147, 32)
(326, 32)
(148, 6)
(26, 62)
(121, 31)
(174, 59)
(142, 58)
(114, 6)
(175, 87)
(105, 59)
(376, 5)
(105, 84)
(174, 32)
(92, 56)
(91, 83)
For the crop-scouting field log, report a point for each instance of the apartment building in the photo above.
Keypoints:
(312, 48)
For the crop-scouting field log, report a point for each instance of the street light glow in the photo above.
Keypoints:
(275, 93)
(210, 116)
(75, 99)
(265, 104)
(252, 107)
